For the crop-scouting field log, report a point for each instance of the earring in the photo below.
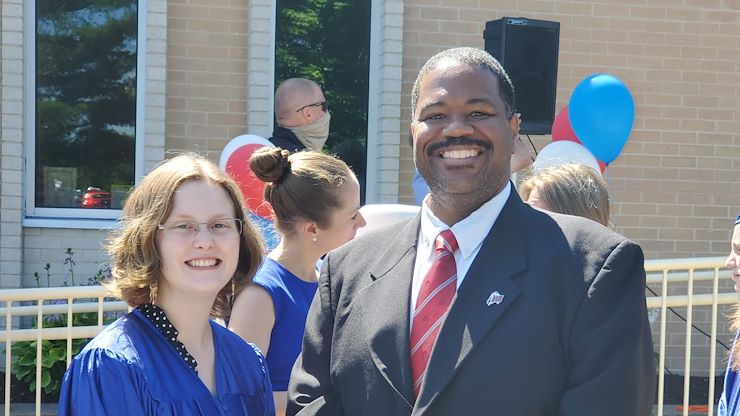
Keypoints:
(153, 291)
(314, 239)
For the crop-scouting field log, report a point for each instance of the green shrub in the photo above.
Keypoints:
(54, 352)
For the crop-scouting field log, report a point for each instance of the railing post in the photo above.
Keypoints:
(39, 340)
(687, 355)
(713, 345)
(70, 318)
(8, 353)
(100, 311)
(661, 347)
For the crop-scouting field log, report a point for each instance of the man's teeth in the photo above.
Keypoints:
(202, 262)
(458, 154)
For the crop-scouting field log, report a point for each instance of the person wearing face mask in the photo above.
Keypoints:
(302, 116)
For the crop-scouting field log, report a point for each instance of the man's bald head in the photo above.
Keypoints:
(293, 94)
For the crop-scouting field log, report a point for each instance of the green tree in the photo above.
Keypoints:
(328, 42)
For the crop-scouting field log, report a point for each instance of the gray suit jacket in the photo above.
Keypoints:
(570, 337)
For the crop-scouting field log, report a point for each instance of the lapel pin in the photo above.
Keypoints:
(495, 298)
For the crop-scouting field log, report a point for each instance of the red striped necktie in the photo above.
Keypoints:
(435, 296)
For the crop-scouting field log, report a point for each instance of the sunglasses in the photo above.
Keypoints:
(321, 104)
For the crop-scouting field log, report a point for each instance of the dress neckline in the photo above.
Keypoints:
(159, 319)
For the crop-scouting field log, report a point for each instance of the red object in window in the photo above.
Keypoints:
(95, 198)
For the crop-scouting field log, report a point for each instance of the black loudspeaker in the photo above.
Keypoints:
(528, 50)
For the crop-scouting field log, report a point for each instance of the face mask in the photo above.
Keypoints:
(313, 135)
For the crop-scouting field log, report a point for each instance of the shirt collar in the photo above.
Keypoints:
(471, 230)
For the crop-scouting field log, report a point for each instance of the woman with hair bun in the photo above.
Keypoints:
(316, 200)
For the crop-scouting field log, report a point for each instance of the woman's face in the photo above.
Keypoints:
(198, 258)
(345, 220)
(733, 260)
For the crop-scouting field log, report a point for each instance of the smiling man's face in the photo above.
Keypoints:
(463, 141)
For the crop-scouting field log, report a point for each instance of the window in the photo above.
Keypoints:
(82, 115)
(329, 42)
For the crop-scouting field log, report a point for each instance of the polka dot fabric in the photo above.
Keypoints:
(156, 316)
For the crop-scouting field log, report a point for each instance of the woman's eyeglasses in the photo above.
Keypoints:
(221, 227)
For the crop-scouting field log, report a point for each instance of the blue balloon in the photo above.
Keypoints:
(602, 113)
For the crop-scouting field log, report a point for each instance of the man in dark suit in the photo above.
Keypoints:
(516, 312)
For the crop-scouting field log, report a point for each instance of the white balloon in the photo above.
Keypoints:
(562, 152)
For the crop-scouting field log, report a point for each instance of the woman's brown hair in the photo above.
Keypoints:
(300, 186)
(136, 264)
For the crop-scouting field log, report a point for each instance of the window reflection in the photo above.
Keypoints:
(85, 102)
(329, 42)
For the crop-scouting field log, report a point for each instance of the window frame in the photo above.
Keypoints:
(74, 217)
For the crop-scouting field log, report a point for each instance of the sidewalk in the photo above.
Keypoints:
(29, 409)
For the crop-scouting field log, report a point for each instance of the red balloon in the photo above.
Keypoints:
(602, 165)
(562, 130)
(235, 161)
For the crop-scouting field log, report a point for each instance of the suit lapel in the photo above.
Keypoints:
(385, 302)
(501, 257)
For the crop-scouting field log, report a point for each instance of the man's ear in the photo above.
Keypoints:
(515, 123)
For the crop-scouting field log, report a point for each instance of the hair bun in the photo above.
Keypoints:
(270, 164)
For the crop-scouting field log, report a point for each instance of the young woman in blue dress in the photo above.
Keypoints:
(316, 201)
(729, 403)
(183, 251)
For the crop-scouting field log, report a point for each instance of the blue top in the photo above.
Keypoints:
(130, 369)
(728, 403)
(291, 298)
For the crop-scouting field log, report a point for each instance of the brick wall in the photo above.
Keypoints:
(206, 74)
(11, 141)
(674, 185)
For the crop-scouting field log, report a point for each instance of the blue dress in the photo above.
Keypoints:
(728, 403)
(130, 369)
(291, 298)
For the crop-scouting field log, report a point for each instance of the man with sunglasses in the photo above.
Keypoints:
(302, 116)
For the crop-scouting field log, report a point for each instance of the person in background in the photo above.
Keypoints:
(572, 189)
(480, 304)
(729, 402)
(302, 116)
(316, 200)
(521, 159)
(183, 252)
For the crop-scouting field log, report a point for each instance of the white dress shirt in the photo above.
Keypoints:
(469, 233)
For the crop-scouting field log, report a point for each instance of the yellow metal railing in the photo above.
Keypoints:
(687, 271)
(663, 274)
(70, 301)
